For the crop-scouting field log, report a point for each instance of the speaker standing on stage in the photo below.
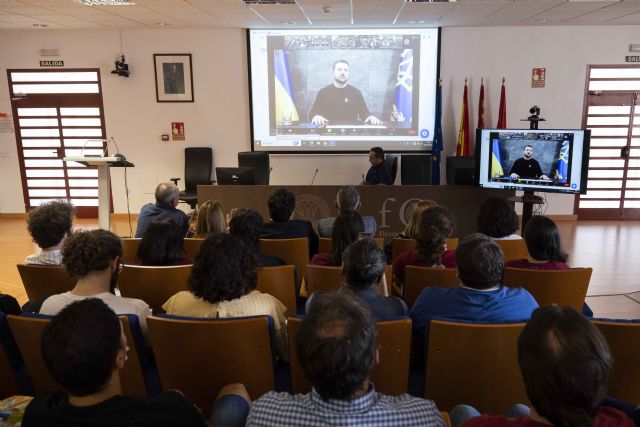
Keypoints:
(379, 172)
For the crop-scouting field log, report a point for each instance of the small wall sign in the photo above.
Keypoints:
(50, 63)
(634, 58)
(538, 76)
(177, 131)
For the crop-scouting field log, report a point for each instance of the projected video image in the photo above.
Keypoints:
(543, 159)
(361, 82)
(339, 90)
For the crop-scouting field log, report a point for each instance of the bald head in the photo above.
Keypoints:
(167, 192)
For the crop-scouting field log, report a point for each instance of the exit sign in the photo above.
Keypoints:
(52, 63)
(632, 58)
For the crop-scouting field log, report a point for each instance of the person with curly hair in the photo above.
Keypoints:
(246, 225)
(223, 283)
(93, 257)
(210, 220)
(498, 220)
(49, 225)
(436, 225)
(162, 245)
(281, 206)
(411, 229)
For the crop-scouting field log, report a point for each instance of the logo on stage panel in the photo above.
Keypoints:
(311, 207)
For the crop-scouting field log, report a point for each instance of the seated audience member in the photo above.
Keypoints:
(346, 229)
(363, 266)
(9, 305)
(480, 296)
(162, 245)
(348, 199)
(498, 220)
(49, 225)
(565, 365)
(210, 220)
(411, 229)
(281, 206)
(246, 225)
(223, 284)
(167, 198)
(94, 258)
(337, 348)
(436, 225)
(543, 243)
(84, 348)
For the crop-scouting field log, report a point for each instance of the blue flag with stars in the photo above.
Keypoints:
(563, 162)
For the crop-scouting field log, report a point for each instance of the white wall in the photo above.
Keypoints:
(220, 115)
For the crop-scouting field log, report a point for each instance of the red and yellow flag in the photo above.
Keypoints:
(463, 134)
(502, 111)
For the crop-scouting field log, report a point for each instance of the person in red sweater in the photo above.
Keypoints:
(346, 229)
(436, 225)
(565, 364)
(543, 243)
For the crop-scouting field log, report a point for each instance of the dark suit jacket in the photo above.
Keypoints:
(290, 230)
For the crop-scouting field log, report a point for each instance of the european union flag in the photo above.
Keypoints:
(286, 111)
(496, 160)
(402, 110)
(436, 147)
(562, 170)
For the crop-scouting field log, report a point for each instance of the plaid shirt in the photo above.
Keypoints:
(53, 257)
(373, 409)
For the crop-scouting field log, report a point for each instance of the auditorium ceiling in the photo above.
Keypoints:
(202, 14)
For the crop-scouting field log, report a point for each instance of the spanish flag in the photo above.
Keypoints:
(481, 106)
(502, 111)
(463, 134)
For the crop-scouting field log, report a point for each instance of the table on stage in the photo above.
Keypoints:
(390, 205)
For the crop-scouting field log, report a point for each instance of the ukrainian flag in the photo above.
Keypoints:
(496, 161)
(285, 106)
(562, 170)
(402, 110)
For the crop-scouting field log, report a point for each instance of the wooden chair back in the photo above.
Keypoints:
(513, 249)
(27, 332)
(418, 278)
(399, 245)
(388, 276)
(44, 280)
(562, 287)
(320, 278)
(225, 351)
(10, 362)
(153, 285)
(325, 244)
(624, 343)
(292, 251)
(192, 246)
(130, 247)
(280, 283)
(390, 375)
(465, 358)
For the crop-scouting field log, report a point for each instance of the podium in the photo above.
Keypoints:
(104, 183)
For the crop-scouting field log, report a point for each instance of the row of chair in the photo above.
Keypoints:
(465, 363)
(155, 285)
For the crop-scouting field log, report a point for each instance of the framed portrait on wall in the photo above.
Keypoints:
(174, 77)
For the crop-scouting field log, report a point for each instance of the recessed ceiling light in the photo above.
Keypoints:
(40, 25)
(106, 2)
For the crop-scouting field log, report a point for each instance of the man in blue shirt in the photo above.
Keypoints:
(167, 198)
(480, 295)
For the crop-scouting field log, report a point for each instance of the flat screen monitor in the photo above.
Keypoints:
(343, 90)
(554, 160)
(235, 176)
(461, 170)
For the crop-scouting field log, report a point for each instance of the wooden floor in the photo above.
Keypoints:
(612, 248)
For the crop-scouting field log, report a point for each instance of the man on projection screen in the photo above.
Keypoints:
(340, 102)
